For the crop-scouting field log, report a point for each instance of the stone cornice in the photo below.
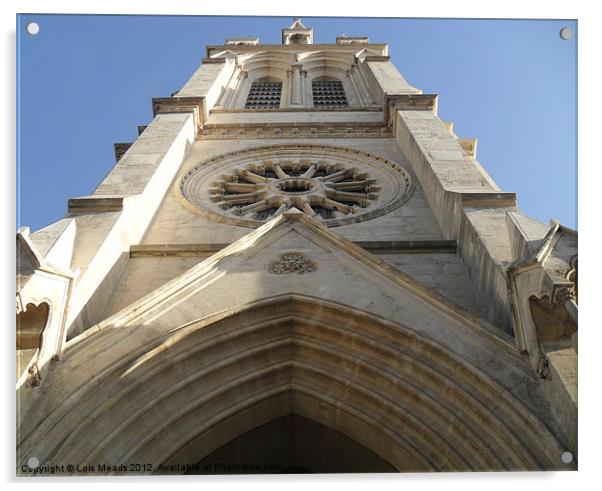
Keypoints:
(487, 199)
(352, 40)
(295, 48)
(295, 130)
(408, 102)
(377, 58)
(297, 109)
(220, 59)
(375, 247)
(194, 105)
(96, 204)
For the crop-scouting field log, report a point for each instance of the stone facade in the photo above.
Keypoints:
(335, 267)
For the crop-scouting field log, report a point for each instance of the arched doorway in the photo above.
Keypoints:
(291, 444)
(173, 400)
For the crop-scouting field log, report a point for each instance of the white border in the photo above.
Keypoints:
(590, 85)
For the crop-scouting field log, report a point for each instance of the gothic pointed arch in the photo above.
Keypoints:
(409, 400)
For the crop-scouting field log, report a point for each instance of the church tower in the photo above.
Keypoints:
(297, 267)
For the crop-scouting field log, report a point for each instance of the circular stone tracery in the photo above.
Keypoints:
(295, 185)
(335, 185)
(330, 191)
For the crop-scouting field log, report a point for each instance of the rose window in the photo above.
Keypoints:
(327, 191)
(335, 185)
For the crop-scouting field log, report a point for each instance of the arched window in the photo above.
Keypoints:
(264, 94)
(30, 324)
(298, 39)
(328, 93)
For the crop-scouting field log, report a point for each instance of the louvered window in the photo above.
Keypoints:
(264, 95)
(329, 94)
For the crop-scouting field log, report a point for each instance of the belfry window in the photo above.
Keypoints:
(328, 94)
(264, 95)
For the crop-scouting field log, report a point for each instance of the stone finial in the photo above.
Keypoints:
(242, 41)
(349, 40)
(297, 33)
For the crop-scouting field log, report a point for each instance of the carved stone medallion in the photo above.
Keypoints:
(292, 262)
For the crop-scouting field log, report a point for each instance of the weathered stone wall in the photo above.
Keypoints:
(468, 206)
(441, 272)
(119, 211)
(143, 275)
(176, 223)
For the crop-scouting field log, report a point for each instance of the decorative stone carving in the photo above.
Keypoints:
(543, 368)
(315, 188)
(310, 131)
(295, 74)
(335, 185)
(178, 104)
(120, 150)
(33, 378)
(292, 262)
(564, 293)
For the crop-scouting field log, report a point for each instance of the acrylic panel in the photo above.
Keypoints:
(266, 245)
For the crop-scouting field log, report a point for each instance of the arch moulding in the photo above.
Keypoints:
(176, 398)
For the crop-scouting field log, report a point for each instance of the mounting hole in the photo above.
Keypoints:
(566, 33)
(33, 463)
(566, 457)
(33, 28)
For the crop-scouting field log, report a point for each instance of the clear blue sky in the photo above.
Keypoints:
(85, 82)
